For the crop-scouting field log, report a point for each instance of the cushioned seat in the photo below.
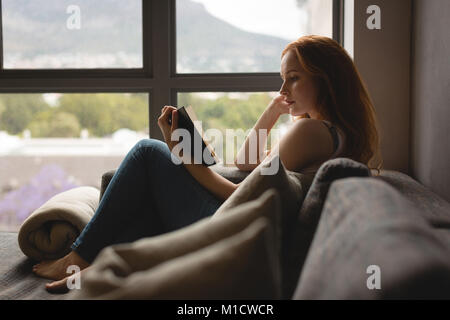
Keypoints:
(16, 280)
(367, 225)
(344, 219)
(429, 205)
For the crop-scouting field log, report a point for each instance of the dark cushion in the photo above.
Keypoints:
(429, 205)
(367, 222)
(304, 228)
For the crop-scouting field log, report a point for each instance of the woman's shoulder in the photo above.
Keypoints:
(315, 141)
(318, 133)
(311, 126)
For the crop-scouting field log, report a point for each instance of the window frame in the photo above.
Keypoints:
(157, 77)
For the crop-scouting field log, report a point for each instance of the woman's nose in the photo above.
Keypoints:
(283, 90)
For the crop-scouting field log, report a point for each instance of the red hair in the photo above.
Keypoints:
(342, 97)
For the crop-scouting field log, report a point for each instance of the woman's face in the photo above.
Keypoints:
(298, 89)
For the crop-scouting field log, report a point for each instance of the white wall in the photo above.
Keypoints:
(383, 60)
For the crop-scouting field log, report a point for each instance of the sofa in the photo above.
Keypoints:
(354, 236)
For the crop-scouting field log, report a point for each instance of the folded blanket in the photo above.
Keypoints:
(50, 230)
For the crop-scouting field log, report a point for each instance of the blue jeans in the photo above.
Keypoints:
(147, 196)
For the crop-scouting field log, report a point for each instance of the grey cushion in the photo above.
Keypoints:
(429, 205)
(226, 258)
(309, 215)
(367, 222)
(291, 187)
(106, 179)
(225, 270)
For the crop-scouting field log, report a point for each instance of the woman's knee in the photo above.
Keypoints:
(151, 146)
(148, 144)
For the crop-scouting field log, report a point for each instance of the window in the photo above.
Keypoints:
(236, 36)
(232, 114)
(49, 34)
(51, 142)
(78, 74)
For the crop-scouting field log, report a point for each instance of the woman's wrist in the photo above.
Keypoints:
(273, 111)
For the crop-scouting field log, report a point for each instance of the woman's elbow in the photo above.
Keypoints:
(244, 166)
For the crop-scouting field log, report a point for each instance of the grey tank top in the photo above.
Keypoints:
(334, 134)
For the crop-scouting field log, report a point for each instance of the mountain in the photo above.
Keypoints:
(35, 34)
(208, 44)
(40, 27)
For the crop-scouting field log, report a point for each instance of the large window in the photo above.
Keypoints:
(226, 118)
(52, 34)
(244, 35)
(52, 142)
(81, 81)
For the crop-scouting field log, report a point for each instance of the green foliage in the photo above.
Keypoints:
(2, 108)
(54, 124)
(18, 110)
(225, 112)
(229, 113)
(102, 114)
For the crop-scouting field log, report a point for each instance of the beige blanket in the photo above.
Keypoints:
(50, 230)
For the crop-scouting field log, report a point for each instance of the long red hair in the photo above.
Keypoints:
(342, 98)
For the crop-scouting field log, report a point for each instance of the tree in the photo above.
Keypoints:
(227, 113)
(19, 110)
(103, 114)
(2, 109)
(55, 125)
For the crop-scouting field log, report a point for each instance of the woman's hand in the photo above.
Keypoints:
(166, 128)
(278, 106)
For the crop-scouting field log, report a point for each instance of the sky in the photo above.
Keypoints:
(281, 18)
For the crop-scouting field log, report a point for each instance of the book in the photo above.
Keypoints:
(187, 119)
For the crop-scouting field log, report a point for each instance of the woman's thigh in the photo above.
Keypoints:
(177, 196)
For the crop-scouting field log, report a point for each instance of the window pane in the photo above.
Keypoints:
(50, 143)
(244, 35)
(233, 114)
(51, 34)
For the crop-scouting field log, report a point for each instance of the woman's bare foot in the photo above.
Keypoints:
(57, 269)
(60, 286)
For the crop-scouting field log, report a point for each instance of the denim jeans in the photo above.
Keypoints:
(147, 196)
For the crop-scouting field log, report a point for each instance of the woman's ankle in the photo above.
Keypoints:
(77, 260)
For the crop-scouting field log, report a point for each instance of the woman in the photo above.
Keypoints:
(150, 195)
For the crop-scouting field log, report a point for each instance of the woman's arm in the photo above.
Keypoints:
(252, 152)
(221, 187)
